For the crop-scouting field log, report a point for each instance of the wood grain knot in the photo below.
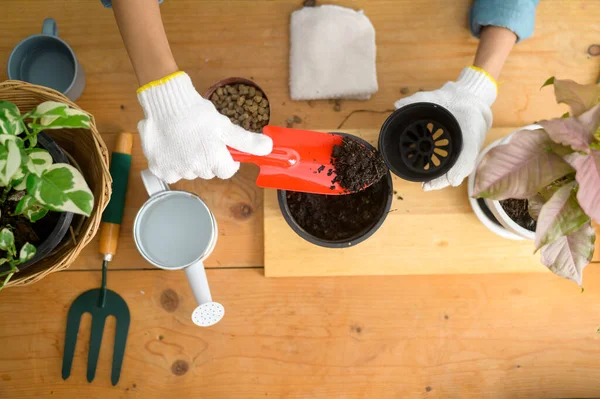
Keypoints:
(180, 367)
(428, 389)
(241, 211)
(594, 50)
(169, 300)
(356, 329)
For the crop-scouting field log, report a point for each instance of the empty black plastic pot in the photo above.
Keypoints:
(420, 141)
(355, 238)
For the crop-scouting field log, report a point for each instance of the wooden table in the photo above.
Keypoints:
(479, 336)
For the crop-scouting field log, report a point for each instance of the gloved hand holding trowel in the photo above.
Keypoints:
(184, 136)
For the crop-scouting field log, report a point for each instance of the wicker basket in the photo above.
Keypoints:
(87, 149)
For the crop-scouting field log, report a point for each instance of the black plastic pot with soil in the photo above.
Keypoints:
(47, 233)
(341, 221)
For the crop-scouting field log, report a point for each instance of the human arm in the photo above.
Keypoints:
(145, 39)
(182, 134)
(499, 24)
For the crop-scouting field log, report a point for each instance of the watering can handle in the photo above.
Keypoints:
(153, 184)
(196, 276)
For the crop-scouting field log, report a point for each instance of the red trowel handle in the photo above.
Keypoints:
(284, 152)
(300, 161)
(280, 157)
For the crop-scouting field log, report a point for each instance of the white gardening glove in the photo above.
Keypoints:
(185, 137)
(469, 99)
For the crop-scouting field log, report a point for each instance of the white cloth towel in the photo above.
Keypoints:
(332, 54)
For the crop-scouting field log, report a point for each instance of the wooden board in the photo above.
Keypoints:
(236, 203)
(420, 45)
(424, 233)
(212, 39)
(494, 336)
(506, 336)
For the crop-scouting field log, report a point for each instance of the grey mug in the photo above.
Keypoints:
(47, 60)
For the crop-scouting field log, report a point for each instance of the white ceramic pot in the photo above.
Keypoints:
(494, 217)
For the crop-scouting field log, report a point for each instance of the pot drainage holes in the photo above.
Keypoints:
(425, 146)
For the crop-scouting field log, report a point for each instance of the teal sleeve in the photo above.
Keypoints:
(516, 15)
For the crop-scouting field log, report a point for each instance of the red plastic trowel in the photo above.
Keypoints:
(300, 161)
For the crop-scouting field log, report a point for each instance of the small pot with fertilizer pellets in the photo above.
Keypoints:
(242, 101)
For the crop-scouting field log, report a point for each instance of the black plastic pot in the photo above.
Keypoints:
(420, 141)
(64, 218)
(351, 241)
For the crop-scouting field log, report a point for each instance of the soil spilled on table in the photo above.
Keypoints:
(338, 217)
(517, 209)
(356, 166)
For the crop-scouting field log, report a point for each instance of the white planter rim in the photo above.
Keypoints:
(507, 228)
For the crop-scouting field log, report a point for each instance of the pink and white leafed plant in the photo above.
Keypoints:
(557, 169)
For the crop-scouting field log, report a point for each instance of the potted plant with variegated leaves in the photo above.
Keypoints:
(39, 190)
(553, 168)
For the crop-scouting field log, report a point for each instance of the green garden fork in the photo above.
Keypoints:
(102, 302)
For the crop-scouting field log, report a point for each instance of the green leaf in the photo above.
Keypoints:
(548, 82)
(560, 216)
(588, 177)
(7, 241)
(12, 269)
(62, 188)
(20, 185)
(48, 108)
(32, 181)
(31, 209)
(12, 163)
(565, 115)
(3, 284)
(27, 252)
(84, 200)
(10, 122)
(55, 115)
(18, 179)
(575, 132)
(520, 168)
(579, 97)
(568, 255)
(534, 206)
(39, 161)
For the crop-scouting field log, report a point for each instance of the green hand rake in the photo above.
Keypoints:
(102, 302)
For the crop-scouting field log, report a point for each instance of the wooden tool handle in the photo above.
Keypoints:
(120, 164)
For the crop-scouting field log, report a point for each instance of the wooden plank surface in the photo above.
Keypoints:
(329, 337)
(420, 44)
(493, 336)
(213, 39)
(236, 203)
(424, 233)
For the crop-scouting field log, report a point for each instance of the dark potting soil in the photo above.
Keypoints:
(517, 209)
(338, 217)
(24, 230)
(356, 166)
